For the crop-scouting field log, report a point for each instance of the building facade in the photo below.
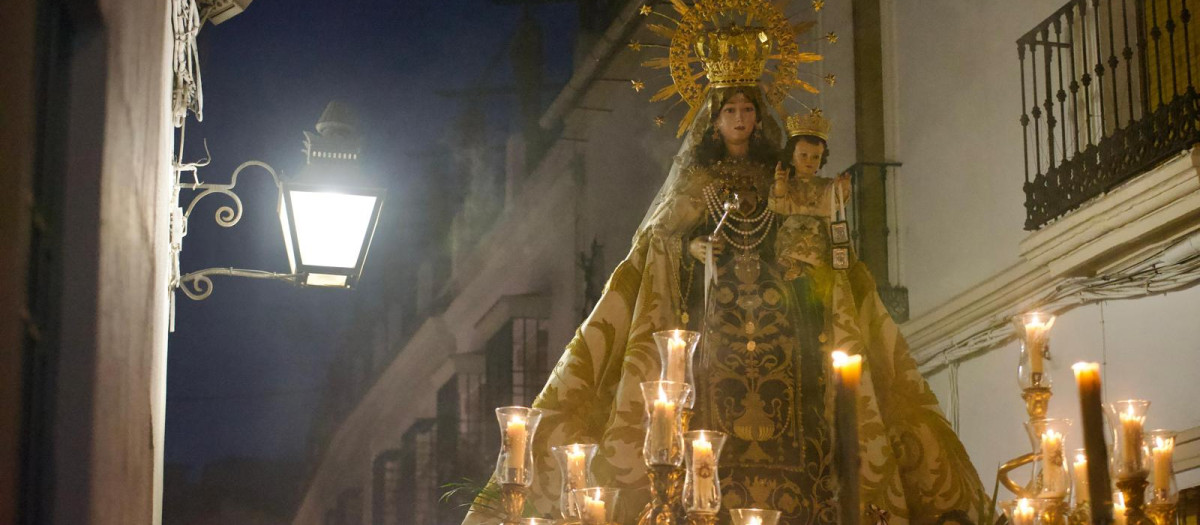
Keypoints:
(930, 87)
(85, 157)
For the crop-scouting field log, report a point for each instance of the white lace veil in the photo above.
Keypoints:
(684, 157)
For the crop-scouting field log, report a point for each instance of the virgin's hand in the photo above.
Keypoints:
(698, 246)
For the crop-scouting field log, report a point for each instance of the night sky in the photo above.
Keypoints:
(247, 366)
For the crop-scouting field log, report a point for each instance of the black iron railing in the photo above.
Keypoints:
(1107, 92)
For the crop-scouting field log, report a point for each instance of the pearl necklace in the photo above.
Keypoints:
(758, 226)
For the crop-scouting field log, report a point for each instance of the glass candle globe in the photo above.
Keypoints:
(517, 428)
(664, 422)
(702, 484)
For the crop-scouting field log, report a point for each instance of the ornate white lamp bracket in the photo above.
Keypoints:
(198, 285)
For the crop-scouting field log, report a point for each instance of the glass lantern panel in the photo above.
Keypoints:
(330, 227)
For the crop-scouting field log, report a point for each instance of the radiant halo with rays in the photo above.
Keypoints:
(706, 43)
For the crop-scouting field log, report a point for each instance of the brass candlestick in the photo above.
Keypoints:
(1161, 513)
(1081, 514)
(1054, 511)
(512, 502)
(664, 508)
(1037, 400)
(1133, 488)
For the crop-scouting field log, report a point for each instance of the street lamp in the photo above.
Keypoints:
(327, 215)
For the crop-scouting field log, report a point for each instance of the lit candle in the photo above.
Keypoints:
(676, 359)
(1087, 377)
(1023, 513)
(1118, 509)
(1131, 430)
(704, 464)
(515, 434)
(1036, 329)
(662, 423)
(1162, 452)
(847, 373)
(576, 467)
(1081, 478)
(847, 369)
(1054, 473)
(593, 511)
(754, 520)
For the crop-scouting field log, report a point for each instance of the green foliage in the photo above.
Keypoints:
(485, 499)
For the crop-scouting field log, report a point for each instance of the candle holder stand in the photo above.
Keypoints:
(1055, 511)
(701, 518)
(512, 502)
(664, 508)
(1037, 401)
(1161, 513)
(1133, 488)
(1081, 514)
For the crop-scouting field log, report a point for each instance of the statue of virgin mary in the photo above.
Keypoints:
(760, 287)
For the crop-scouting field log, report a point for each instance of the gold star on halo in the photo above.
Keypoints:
(635, 46)
(830, 79)
(831, 37)
(659, 121)
(818, 4)
(645, 10)
(638, 85)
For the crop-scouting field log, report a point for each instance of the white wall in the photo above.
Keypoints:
(956, 104)
(957, 101)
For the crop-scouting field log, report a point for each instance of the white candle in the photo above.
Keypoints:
(576, 467)
(1054, 473)
(1081, 479)
(1131, 429)
(1118, 509)
(676, 359)
(594, 511)
(704, 465)
(1162, 452)
(754, 520)
(1023, 513)
(515, 434)
(1035, 344)
(662, 423)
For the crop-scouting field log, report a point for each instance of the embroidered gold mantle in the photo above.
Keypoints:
(914, 469)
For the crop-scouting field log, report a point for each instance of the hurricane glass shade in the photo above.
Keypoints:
(1160, 446)
(702, 486)
(1127, 419)
(518, 426)
(1033, 329)
(575, 464)
(754, 516)
(664, 422)
(597, 505)
(1051, 464)
(676, 349)
(327, 231)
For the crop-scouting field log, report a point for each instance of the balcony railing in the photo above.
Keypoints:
(1107, 91)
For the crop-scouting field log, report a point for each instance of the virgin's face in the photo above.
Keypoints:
(806, 158)
(736, 119)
